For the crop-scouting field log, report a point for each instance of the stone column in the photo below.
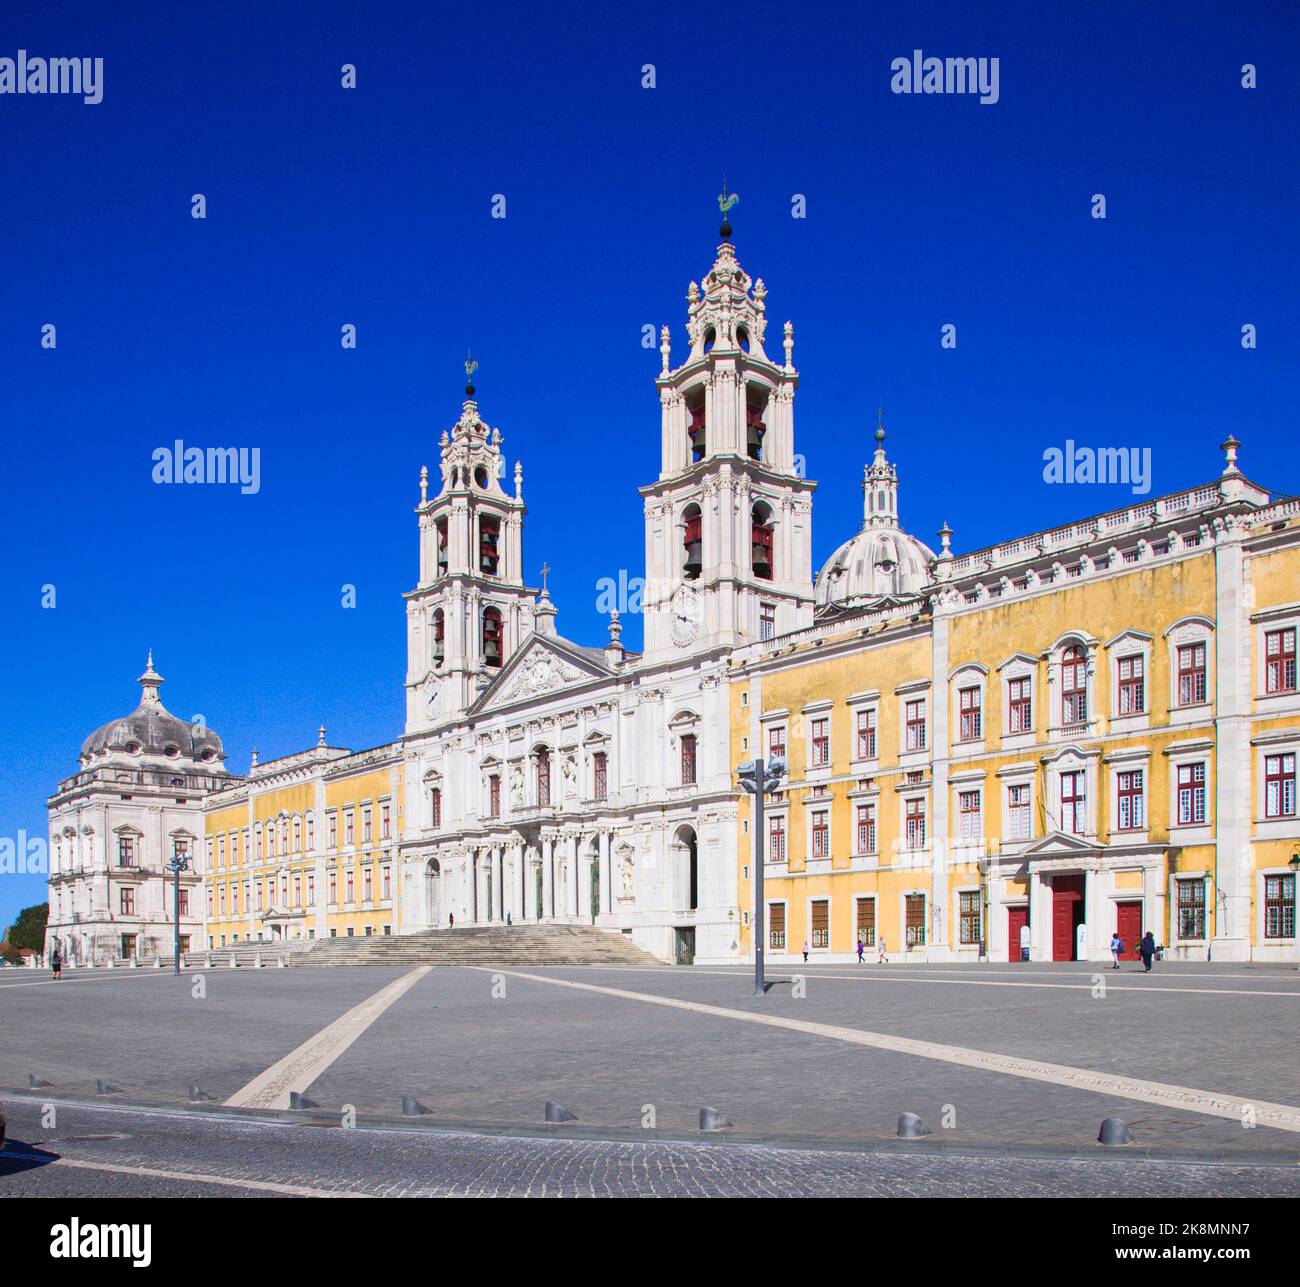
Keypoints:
(475, 901)
(571, 891)
(521, 882)
(583, 876)
(1040, 918)
(498, 883)
(548, 878)
(606, 876)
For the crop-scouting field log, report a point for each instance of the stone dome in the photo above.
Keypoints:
(881, 561)
(151, 729)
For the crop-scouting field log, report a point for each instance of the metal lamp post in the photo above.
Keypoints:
(758, 779)
(177, 863)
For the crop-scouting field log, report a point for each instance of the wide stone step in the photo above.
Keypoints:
(473, 945)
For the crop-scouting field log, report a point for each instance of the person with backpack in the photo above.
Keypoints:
(1147, 950)
(1116, 947)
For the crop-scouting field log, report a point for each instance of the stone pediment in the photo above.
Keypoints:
(542, 666)
(1059, 844)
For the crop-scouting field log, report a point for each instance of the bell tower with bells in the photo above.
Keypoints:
(471, 609)
(728, 524)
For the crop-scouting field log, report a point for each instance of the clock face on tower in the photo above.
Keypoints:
(685, 612)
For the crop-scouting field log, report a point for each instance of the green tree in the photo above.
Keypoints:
(29, 929)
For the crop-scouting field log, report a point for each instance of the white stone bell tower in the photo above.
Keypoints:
(471, 609)
(728, 523)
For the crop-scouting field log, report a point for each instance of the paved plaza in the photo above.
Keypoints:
(1011, 1067)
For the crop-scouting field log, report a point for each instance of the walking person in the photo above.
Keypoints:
(862, 947)
(451, 920)
(1147, 950)
(805, 951)
(56, 962)
(1116, 947)
(883, 957)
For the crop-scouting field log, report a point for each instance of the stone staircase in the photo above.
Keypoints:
(482, 945)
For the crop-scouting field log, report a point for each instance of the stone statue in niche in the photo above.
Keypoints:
(517, 788)
(627, 875)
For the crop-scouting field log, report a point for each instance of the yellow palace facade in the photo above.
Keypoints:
(1090, 730)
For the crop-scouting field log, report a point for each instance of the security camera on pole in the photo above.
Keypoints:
(758, 779)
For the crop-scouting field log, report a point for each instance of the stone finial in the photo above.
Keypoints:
(424, 484)
(320, 736)
(945, 542)
(1229, 448)
(614, 648)
(665, 348)
(789, 346)
(519, 480)
(150, 682)
(252, 759)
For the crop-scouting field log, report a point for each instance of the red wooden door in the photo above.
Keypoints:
(1128, 924)
(1066, 892)
(1017, 919)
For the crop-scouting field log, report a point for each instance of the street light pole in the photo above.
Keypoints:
(176, 864)
(758, 779)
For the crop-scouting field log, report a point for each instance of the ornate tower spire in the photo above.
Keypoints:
(150, 682)
(880, 484)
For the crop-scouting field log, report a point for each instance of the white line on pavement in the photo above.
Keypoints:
(189, 1177)
(298, 1069)
(1212, 1103)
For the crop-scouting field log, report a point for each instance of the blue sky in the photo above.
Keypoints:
(372, 206)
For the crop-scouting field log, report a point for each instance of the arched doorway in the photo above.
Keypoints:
(687, 854)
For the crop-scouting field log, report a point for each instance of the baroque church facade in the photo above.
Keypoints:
(542, 780)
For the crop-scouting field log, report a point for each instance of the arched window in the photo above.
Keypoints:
(1074, 685)
(435, 806)
(755, 429)
(492, 636)
(761, 542)
(489, 535)
(695, 430)
(442, 546)
(692, 540)
(439, 635)
(543, 777)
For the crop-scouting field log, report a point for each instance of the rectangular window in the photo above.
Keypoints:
(776, 925)
(1020, 705)
(866, 731)
(1019, 822)
(972, 719)
(915, 815)
(914, 720)
(185, 902)
(297, 835)
(820, 913)
(297, 889)
(968, 914)
(334, 831)
(1279, 661)
(126, 851)
(334, 890)
(367, 885)
(494, 796)
(365, 825)
(688, 759)
(776, 741)
(1191, 910)
(311, 889)
(821, 834)
(128, 902)
(311, 831)
(351, 886)
(221, 851)
(385, 821)
(1279, 786)
(1191, 674)
(387, 878)
(1131, 800)
(866, 918)
(969, 822)
(914, 920)
(1132, 685)
(1074, 686)
(1074, 807)
(435, 806)
(776, 839)
(1279, 906)
(821, 742)
(349, 825)
(766, 620)
(260, 890)
(866, 831)
(1191, 793)
(600, 775)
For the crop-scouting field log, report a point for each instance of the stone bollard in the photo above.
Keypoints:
(257, 960)
(234, 961)
(157, 962)
(108, 964)
(207, 962)
(135, 963)
(280, 961)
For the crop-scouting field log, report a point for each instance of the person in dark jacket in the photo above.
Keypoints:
(1147, 950)
(56, 963)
